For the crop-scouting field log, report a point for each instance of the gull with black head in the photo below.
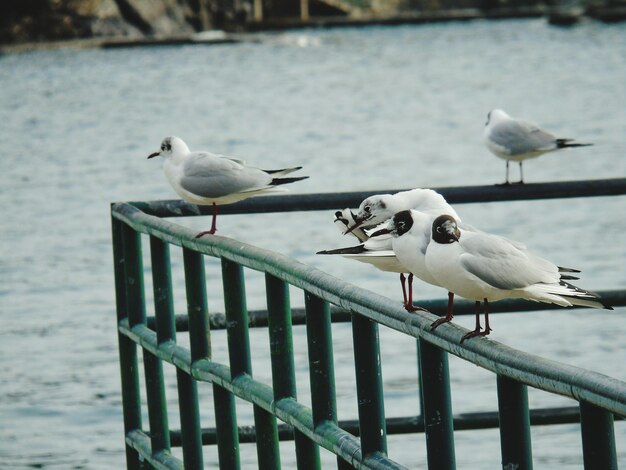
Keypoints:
(373, 214)
(485, 268)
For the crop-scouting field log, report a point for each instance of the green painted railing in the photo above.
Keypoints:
(360, 443)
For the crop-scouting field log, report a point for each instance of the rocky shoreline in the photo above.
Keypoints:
(37, 24)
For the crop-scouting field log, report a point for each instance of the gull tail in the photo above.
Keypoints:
(578, 296)
(565, 143)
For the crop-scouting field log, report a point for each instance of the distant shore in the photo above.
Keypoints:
(563, 16)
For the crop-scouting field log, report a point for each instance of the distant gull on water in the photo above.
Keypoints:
(516, 140)
(205, 178)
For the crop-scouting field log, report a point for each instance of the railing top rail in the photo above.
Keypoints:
(544, 374)
(334, 201)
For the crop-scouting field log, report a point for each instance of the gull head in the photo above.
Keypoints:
(397, 226)
(496, 115)
(373, 210)
(171, 147)
(445, 230)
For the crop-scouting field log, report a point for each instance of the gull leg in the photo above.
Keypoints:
(487, 327)
(476, 331)
(506, 179)
(403, 282)
(213, 224)
(409, 305)
(449, 313)
(521, 173)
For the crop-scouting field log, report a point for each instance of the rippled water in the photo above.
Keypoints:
(359, 109)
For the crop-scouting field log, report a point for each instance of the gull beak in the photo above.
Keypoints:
(357, 224)
(155, 154)
(382, 231)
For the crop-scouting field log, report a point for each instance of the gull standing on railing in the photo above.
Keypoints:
(205, 178)
(516, 140)
(376, 210)
(484, 267)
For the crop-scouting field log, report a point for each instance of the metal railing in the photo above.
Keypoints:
(360, 443)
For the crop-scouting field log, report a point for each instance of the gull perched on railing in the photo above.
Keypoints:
(372, 215)
(484, 267)
(516, 140)
(205, 178)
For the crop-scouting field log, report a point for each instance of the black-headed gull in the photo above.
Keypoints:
(376, 210)
(484, 267)
(205, 178)
(516, 140)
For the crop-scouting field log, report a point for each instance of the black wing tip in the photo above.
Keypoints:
(281, 170)
(352, 250)
(279, 181)
(564, 143)
(567, 270)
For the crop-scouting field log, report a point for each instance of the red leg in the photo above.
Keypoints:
(403, 282)
(213, 224)
(409, 305)
(476, 331)
(487, 327)
(449, 313)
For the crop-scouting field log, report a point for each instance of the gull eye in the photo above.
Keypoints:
(367, 209)
(163, 147)
(439, 229)
(401, 225)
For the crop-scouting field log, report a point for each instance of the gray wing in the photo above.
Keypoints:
(519, 137)
(501, 264)
(211, 176)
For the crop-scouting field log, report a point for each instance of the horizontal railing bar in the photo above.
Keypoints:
(334, 201)
(258, 318)
(410, 424)
(162, 460)
(328, 435)
(548, 375)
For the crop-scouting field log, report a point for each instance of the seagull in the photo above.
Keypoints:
(205, 178)
(484, 267)
(516, 140)
(376, 210)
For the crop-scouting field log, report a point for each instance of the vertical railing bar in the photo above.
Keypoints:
(598, 437)
(321, 363)
(197, 311)
(236, 312)
(131, 399)
(226, 428)
(437, 407)
(157, 403)
(267, 448)
(372, 426)
(191, 436)
(514, 418)
(163, 292)
(420, 391)
(283, 367)
(155, 385)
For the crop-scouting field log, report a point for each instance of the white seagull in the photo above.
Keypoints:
(205, 178)
(484, 267)
(516, 140)
(376, 210)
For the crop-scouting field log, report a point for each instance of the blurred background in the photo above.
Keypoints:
(360, 109)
